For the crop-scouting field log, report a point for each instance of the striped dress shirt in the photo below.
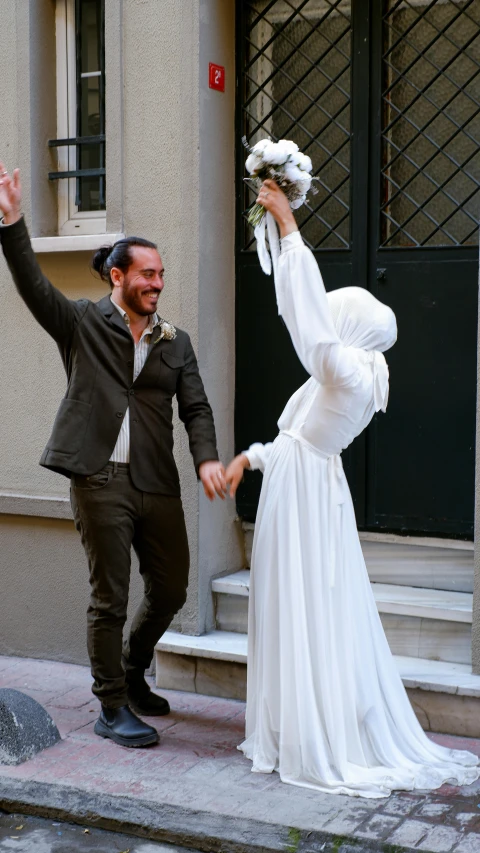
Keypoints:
(121, 451)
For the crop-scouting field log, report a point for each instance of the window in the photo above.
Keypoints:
(80, 145)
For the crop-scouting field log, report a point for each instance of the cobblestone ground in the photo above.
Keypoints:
(197, 765)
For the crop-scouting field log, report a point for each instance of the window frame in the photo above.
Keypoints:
(71, 221)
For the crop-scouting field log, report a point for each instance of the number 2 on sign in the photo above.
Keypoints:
(216, 77)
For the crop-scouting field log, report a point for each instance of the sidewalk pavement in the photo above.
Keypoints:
(195, 789)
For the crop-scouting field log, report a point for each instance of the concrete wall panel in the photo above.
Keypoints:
(43, 606)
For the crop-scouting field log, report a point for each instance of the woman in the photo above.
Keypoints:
(325, 704)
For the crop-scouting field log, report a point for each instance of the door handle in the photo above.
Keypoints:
(381, 275)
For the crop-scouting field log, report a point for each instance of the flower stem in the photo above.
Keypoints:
(256, 214)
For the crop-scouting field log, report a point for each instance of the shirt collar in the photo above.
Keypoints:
(153, 319)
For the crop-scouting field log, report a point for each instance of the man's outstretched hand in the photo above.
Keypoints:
(212, 475)
(10, 195)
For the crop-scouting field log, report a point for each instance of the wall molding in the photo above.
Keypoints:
(41, 506)
(74, 243)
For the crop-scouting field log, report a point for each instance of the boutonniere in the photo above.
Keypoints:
(168, 332)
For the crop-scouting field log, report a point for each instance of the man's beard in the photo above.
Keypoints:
(133, 301)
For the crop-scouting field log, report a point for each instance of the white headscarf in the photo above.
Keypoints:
(364, 322)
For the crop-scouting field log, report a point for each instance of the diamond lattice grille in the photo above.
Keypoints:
(296, 85)
(431, 123)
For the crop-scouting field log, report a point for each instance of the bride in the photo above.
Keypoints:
(325, 704)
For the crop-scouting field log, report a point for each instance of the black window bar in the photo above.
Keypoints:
(431, 124)
(90, 148)
(295, 70)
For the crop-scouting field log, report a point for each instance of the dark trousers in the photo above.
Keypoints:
(111, 516)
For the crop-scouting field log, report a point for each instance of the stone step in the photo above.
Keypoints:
(445, 696)
(418, 561)
(425, 623)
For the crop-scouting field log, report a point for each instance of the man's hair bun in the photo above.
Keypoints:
(98, 261)
(119, 255)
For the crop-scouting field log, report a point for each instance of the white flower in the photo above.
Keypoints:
(259, 147)
(274, 154)
(253, 162)
(288, 146)
(168, 332)
(293, 173)
(298, 202)
(255, 159)
(304, 162)
(305, 182)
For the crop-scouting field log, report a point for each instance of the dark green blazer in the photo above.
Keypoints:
(97, 351)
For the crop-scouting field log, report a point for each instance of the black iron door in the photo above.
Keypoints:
(384, 98)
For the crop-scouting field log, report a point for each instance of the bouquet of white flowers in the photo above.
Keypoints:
(282, 162)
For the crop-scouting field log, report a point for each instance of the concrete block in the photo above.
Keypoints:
(209, 676)
(400, 805)
(469, 844)
(409, 833)
(440, 839)
(378, 827)
(446, 713)
(227, 679)
(434, 809)
(25, 727)
(231, 613)
(426, 638)
(464, 818)
(175, 672)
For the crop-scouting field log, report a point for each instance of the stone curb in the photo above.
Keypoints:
(200, 830)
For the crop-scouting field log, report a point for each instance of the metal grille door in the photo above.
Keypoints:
(384, 96)
(431, 132)
(297, 81)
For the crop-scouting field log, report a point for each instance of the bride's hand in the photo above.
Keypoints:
(272, 198)
(10, 195)
(234, 473)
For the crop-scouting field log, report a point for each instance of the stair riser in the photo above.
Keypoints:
(436, 712)
(208, 676)
(231, 612)
(426, 567)
(410, 565)
(431, 639)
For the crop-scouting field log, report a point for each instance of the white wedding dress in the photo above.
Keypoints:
(325, 704)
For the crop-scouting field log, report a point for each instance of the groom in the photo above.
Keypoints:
(113, 438)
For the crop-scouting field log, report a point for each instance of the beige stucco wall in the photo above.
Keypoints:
(160, 115)
(179, 191)
(43, 567)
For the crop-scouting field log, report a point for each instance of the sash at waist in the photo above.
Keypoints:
(297, 437)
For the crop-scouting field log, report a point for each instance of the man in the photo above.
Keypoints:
(113, 438)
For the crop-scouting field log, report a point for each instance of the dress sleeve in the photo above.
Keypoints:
(302, 302)
(258, 455)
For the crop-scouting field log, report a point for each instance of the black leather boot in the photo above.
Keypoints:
(124, 727)
(141, 698)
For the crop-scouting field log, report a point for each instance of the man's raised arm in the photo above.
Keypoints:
(57, 314)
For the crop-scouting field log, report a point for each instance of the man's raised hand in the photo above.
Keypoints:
(212, 475)
(10, 195)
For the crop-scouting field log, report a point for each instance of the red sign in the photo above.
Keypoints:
(216, 77)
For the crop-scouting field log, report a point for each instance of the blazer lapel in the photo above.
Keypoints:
(109, 311)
